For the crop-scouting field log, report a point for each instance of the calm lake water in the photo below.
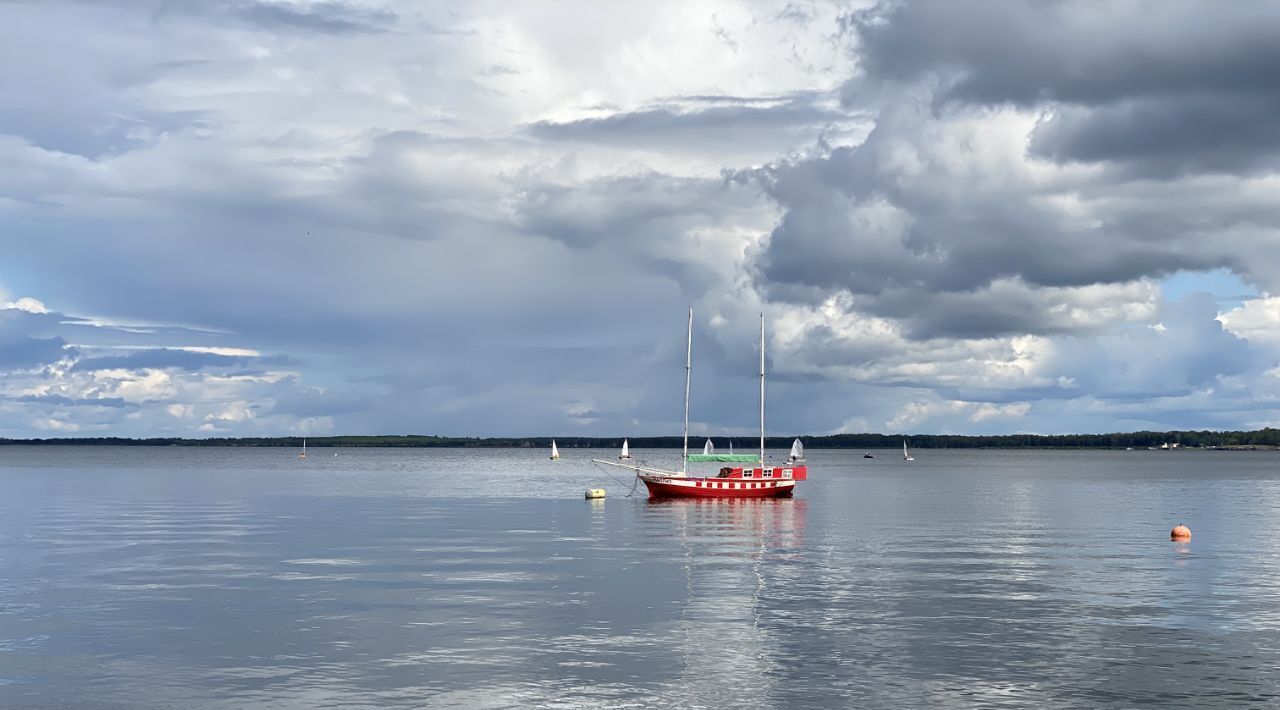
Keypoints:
(227, 578)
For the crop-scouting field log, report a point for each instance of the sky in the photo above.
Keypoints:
(284, 217)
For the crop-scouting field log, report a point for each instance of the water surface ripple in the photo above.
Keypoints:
(225, 578)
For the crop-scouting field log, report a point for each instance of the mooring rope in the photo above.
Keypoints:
(635, 481)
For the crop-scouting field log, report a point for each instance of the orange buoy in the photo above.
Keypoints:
(1181, 533)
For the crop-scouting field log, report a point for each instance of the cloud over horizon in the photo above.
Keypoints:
(267, 217)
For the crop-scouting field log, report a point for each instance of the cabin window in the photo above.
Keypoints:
(768, 474)
(747, 474)
(786, 473)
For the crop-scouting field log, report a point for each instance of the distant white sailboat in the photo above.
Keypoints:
(906, 455)
(303, 455)
(797, 452)
(555, 453)
(708, 448)
(626, 452)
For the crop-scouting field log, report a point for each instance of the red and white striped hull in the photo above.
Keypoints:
(696, 487)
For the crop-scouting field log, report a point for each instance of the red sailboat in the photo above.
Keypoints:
(750, 478)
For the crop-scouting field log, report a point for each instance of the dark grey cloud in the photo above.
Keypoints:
(1169, 86)
(1167, 135)
(905, 225)
(290, 399)
(929, 259)
(744, 120)
(83, 101)
(58, 400)
(615, 208)
(21, 342)
(161, 358)
(1073, 52)
(30, 352)
(327, 17)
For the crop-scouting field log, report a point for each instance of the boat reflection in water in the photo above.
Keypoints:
(767, 525)
(743, 560)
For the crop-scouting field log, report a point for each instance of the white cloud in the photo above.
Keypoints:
(233, 413)
(28, 304)
(913, 414)
(987, 411)
(1256, 320)
(140, 386)
(180, 411)
(55, 425)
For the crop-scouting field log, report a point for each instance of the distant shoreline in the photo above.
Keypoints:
(1262, 439)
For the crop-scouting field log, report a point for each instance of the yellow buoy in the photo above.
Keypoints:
(595, 493)
(1181, 533)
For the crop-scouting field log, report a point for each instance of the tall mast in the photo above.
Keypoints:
(688, 364)
(762, 389)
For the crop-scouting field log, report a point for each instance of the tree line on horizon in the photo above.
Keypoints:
(1138, 439)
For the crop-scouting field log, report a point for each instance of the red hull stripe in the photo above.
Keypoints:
(716, 488)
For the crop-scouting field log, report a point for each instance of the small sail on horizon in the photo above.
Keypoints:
(709, 455)
(555, 453)
(626, 452)
(906, 455)
(797, 452)
(303, 455)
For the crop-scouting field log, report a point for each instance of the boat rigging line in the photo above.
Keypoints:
(635, 481)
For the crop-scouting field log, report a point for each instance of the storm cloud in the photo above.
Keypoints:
(1167, 87)
(262, 217)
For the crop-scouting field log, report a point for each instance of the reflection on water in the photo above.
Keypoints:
(737, 557)
(481, 579)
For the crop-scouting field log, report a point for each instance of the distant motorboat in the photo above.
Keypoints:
(906, 455)
(867, 456)
(626, 452)
(555, 453)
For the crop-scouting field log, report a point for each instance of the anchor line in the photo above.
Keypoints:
(635, 481)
